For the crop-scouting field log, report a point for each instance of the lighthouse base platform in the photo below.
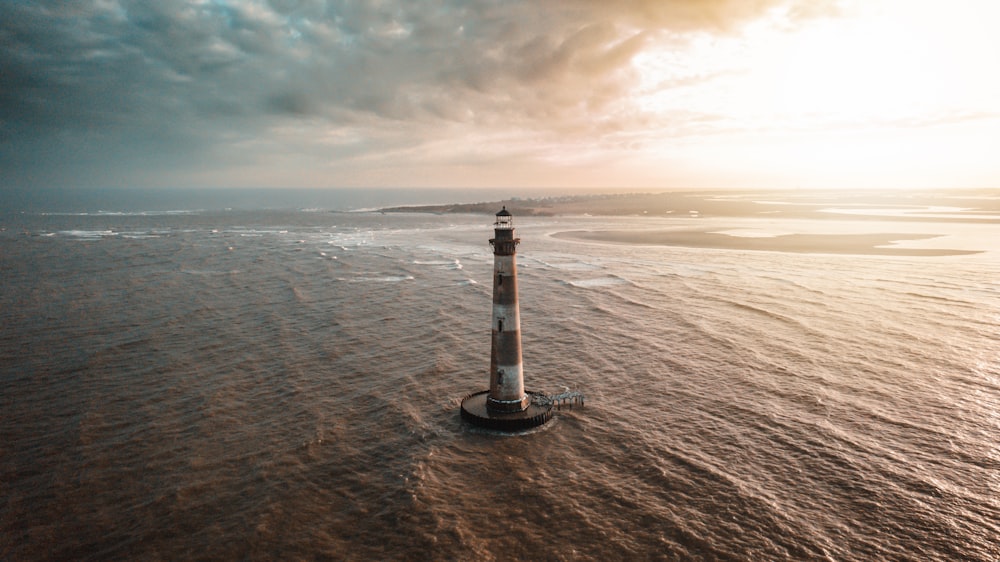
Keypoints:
(474, 411)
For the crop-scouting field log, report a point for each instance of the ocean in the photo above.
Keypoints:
(285, 384)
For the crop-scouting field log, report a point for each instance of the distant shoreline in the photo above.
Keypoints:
(952, 206)
(970, 206)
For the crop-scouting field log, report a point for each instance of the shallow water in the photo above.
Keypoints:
(286, 385)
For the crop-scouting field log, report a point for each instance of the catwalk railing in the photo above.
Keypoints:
(565, 399)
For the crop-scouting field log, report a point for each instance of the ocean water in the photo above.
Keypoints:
(286, 385)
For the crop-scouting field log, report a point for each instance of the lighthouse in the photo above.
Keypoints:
(506, 405)
(506, 372)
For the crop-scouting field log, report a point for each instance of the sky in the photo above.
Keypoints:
(643, 94)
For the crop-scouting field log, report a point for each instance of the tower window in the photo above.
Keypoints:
(500, 325)
(499, 278)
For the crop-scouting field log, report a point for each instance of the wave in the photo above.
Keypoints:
(88, 234)
(567, 265)
(605, 281)
(453, 264)
(768, 314)
(381, 279)
(209, 272)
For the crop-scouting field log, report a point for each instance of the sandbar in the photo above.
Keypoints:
(869, 244)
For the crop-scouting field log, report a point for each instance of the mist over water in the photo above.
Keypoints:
(286, 384)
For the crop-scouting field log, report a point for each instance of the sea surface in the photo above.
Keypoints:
(249, 385)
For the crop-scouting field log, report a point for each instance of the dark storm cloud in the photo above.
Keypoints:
(110, 87)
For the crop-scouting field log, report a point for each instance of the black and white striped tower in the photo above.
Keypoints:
(506, 405)
(506, 371)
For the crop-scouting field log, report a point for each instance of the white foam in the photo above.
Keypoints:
(454, 264)
(348, 240)
(88, 234)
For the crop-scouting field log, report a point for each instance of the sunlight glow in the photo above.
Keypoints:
(877, 92)
(897, 63)
(900, 60)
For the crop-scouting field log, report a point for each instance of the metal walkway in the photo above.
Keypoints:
(564, 399)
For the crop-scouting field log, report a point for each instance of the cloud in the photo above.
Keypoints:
(101, 91)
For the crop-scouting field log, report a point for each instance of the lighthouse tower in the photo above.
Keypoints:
(506, 373)
(505, 405)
